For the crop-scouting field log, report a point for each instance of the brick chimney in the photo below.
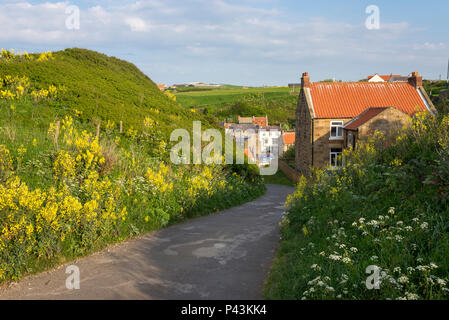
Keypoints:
(305, 80)
(415, 79)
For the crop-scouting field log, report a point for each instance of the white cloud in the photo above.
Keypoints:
(137, 24)
(235, 32)
(429, 46)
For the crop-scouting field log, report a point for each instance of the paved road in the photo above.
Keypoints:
(222, 256)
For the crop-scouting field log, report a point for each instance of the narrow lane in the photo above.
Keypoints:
(222, 256)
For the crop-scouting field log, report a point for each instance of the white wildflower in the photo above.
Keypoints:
(335, 257)
(411, 296)
(403, 279)
(346, 260)
(315, 267)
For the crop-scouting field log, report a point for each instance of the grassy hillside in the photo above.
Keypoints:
(387, 210)
(102, 87)
(67, 189)
(227, 104)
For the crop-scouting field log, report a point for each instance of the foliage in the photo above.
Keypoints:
(290, 153)
(388, 207)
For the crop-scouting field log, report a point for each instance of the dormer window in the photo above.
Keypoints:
(336, 130)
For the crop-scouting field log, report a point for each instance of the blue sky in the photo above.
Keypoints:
(248, 42)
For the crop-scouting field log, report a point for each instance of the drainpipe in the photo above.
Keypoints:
(313, 141)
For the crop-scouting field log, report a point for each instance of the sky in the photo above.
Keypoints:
(244, 42)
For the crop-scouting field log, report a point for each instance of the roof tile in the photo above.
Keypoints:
(350, 99)
(364, 118)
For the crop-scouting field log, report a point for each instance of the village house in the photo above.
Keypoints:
(288, 141)
(161, 86)
(260, 121)
(261, 141)
(333, 116)
(387, 78)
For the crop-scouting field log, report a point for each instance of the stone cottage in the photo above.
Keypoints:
(333, 116)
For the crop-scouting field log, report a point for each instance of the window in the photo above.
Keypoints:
(335, 157)
(336, 130)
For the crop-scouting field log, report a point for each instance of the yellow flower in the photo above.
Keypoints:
(22, 150)
(396, 163)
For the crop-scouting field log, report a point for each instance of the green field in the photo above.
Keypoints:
(229, 103)
(216, 97)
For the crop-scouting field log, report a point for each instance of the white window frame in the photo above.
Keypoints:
(339, 126)
(336, 154)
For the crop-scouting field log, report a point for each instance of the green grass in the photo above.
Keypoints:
(278, 178)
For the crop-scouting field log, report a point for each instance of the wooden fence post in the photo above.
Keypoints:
(121, 126)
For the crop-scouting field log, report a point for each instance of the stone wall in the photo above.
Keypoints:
(391, 120)
(321, 141)
(291, 173)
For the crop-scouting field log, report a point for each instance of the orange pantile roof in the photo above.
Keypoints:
(364, 118)
(289, 138)
(243, 120)
(349, 99)
(261, 121)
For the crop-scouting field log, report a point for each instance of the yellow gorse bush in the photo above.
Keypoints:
(5, 160)
(6, 55)
(45, 56)
(157, 178)
(16, 87)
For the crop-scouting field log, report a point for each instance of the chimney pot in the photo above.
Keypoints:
(305, 80)
(415, 79)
